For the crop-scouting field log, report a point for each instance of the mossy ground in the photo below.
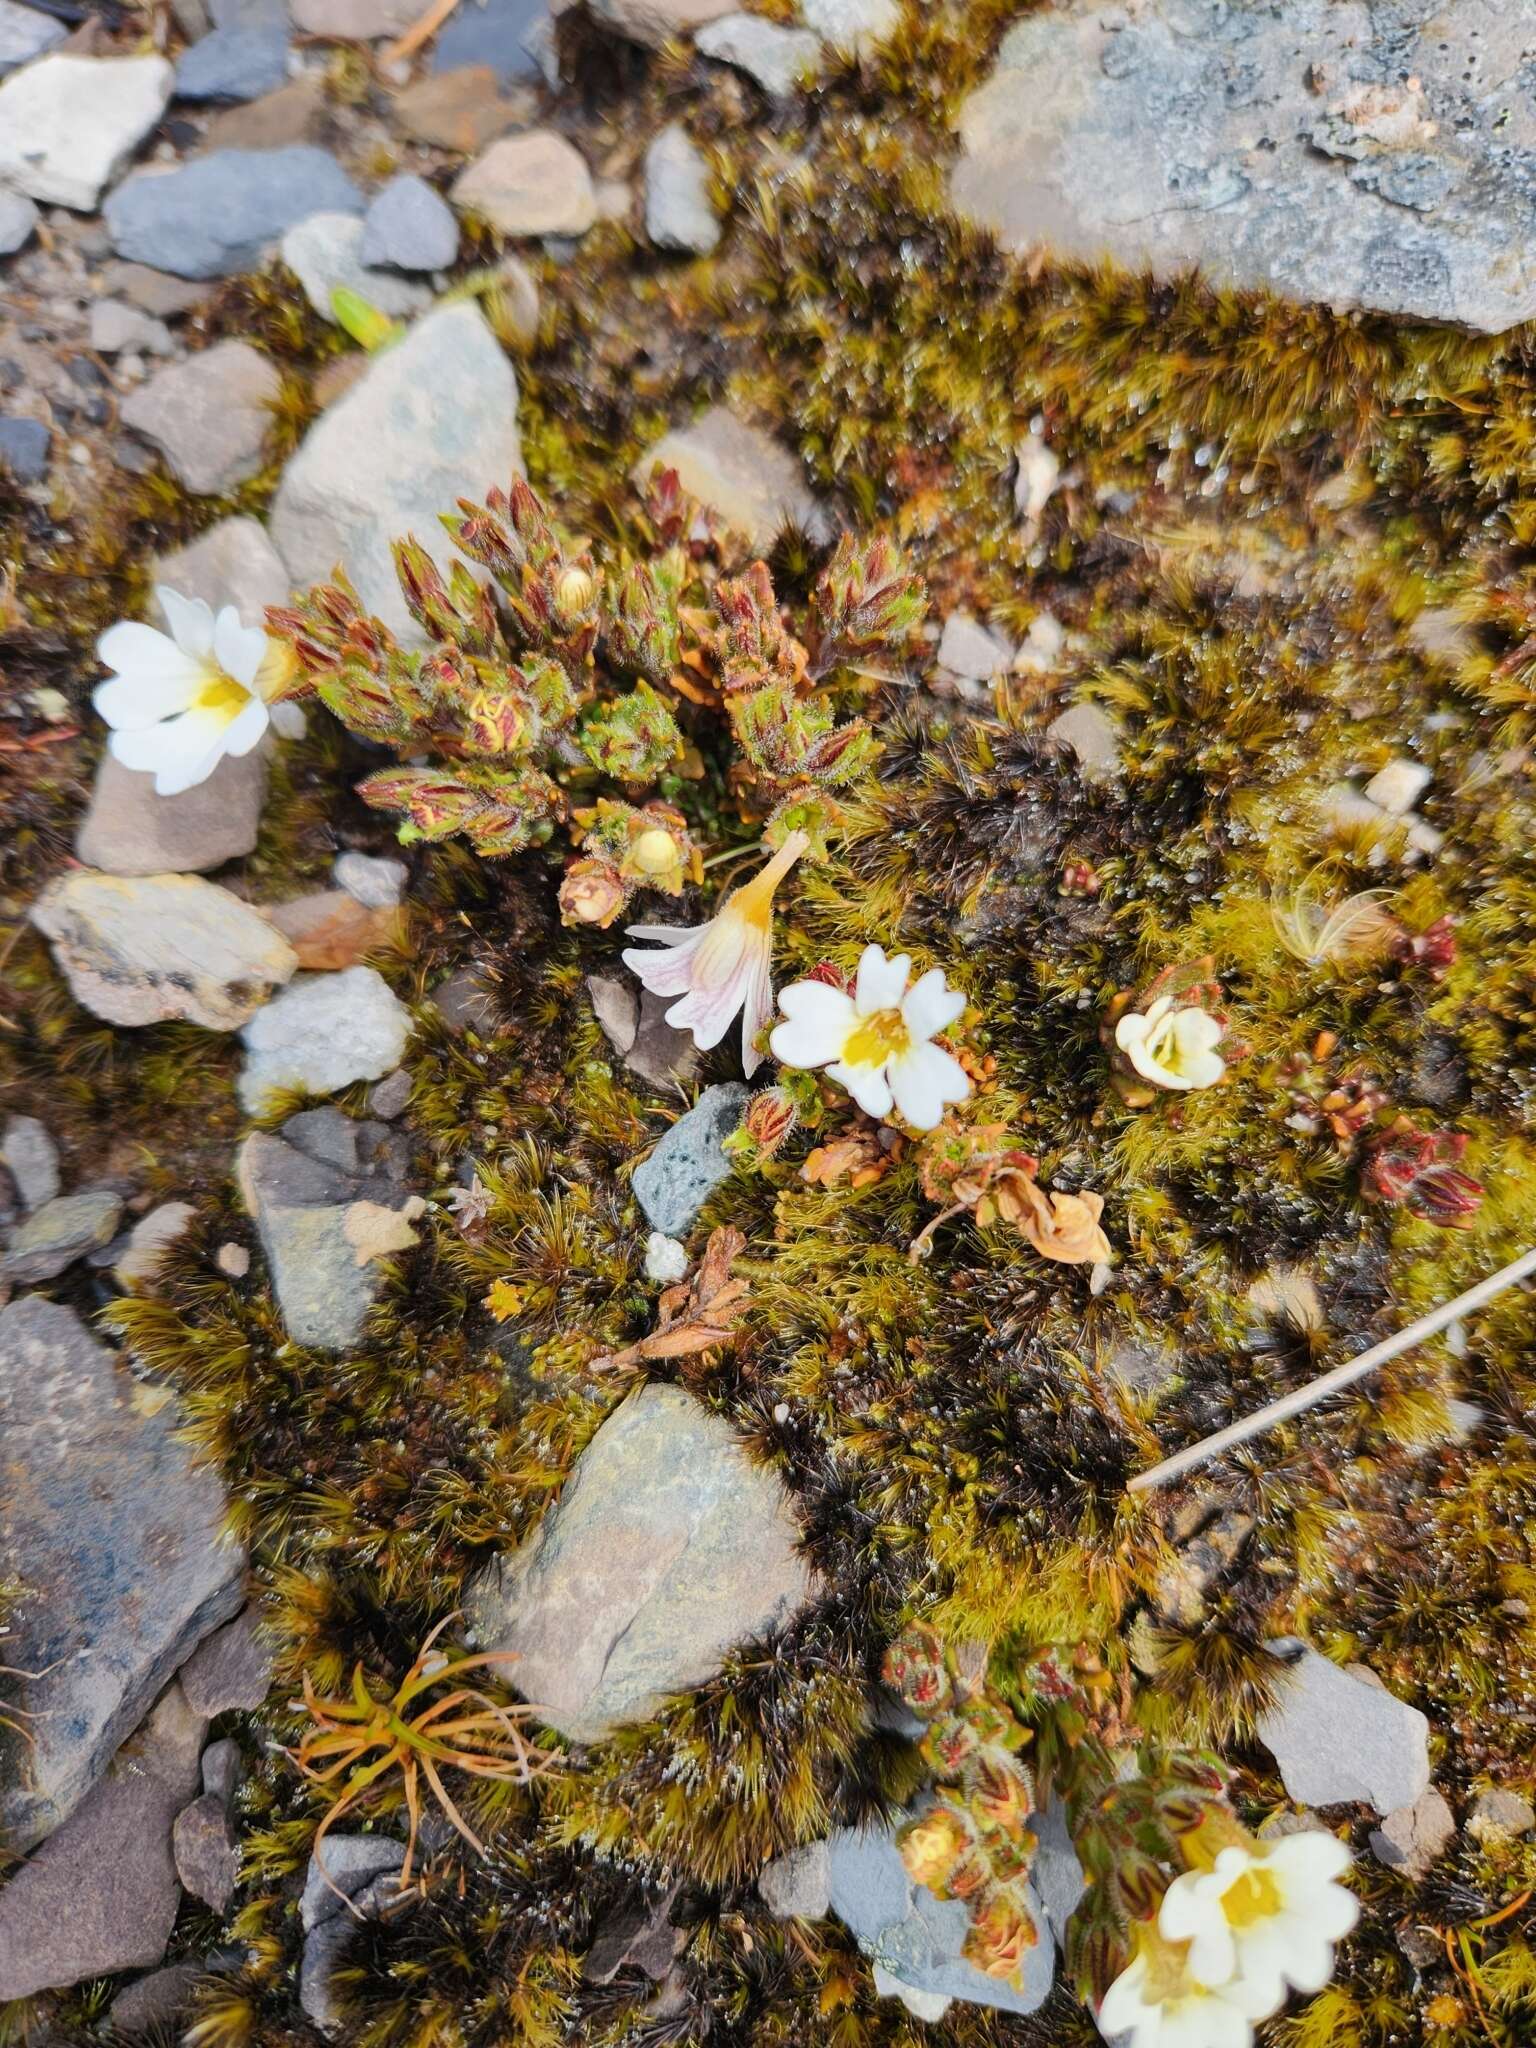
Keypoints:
(1260, 502)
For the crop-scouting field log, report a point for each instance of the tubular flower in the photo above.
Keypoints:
(178, 702)
(1172, 1048)
(723, 966)
(1156, 2002)
(1267, 1914)
(876, 1043)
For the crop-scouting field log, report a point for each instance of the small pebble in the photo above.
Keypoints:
(234, 1260)
(666, 1261)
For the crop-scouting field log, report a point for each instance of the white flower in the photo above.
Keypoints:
(723, 966)
(1156, 2003)
(1172, 1048)
(1267, 1914)
(178, 702)
(875, 1043)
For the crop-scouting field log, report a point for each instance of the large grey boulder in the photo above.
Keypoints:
(667, 1547)
(673, 1185)
(114, 1531)
(433, 420)
(1338, 1738)
(1365, 155)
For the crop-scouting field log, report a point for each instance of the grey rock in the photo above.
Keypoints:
(638, 1936)
(1499, 1815)
(370, 878)
(353, 21)
(232, 563)
(129, 830)
(155, 291)
(18, 214)
(916, 1937)
(115, 1531)
(496, 36)
(24, 446)
(973, 651)
(749, 480)
(1278, 149)
(530, 184)
(324, 252)
(209, 416)
(774, 57)
(155, 2003)
(138, 949)
(30, 1156)
(410, 226)
(388, 1098)
(1337, 1740)
(223, 1770)
(218, 214)
(654, 22)
(68, 124)
(432, 420)
(363, 1885)
(666, 1548)
(236, 63)
(855, 27)
(1093, 736)
(689, 1164)
(117, 328)
(101, 1895)
(350, 1863)
(466, 1003)
(207, 1853)
(634, 1022)
(25, 34)
(1414, 1838)
(325, 1031)
(230, 1670)
(678, 212)
(307, 1188)
(58, 1233)
(798, 1886)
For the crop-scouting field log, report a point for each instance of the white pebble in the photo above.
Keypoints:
(666, 1261)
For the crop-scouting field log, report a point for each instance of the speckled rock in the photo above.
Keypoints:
(218, 214)
(209, 416)
(749, 480)
(69, 124)
(689, 1163)
(798, 1886)
(532, 184)
(667, 1546)
(1337, 1739)
(1363, 156)
(206, 1850)
(325, 1031)
(114, 1527)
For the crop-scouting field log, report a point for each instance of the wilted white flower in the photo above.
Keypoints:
(1267, 1913)
(1172, 1048)
(1156, 2002)
(723, 966)
(178, 702)
(876, 1042)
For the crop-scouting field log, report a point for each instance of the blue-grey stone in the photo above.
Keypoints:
(25, 34)
(217, 214)
(235, 63)
(1339, 1739)
(24, 449)
(673, 1185)
(18, 220)
(410, 227)
(495, 34)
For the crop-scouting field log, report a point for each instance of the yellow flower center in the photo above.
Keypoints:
(222, 695)
(1250, 1898)
(876, 1039)
(654, 851)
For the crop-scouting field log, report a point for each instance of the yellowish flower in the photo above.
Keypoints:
(877, 1042)
(1266, 1912)
(1156, 2002)
(1172, 1048)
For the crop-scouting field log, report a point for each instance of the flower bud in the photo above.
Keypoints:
(592, 893)
(1001, 1935)
(574, 593)
(770, 1118)
(654, 851)
(932, 1847)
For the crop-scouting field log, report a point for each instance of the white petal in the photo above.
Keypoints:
(881, 982)
(669, 934)
(867, 1085)
(132, 703)
(179, 752)
(668, 972)
(152, 669)
(818, 1021)
(923, 1081)
(190, 621)
(1131, 1031)
(240, 649)
(1184, 1908)
(1200, 1070)
(1123, 2005)
(1310, 1858)
(246, 728)
(1195, 1031)
(931, 1006)
(756, 1011)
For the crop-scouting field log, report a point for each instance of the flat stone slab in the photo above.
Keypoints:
(114, 1529)
(140, 949)
(209, 416)
(1338, 1738)
(218, 214)
(1287, 148)
(667, 1547)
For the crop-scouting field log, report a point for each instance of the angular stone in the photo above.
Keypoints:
(230, 1670)
(775, 58)
(1414, 1838)
(1398, 786)
(116, 328)
(969, 649)
(678, 212)
(855, 27)
(154, 2003)
(1337, 1740)
(237, 63)
(69, 124)
(303, 1187)
(24, 446)
(502, 35)
(218, 214)
(532, 184)
(462, 109)
(353, 21)
(388, 1098)
(206, 1851)
(1312, 149)
(637, 1936)
(635, 1024)
(372, 878)
(350, 1863)
(1500, 1815)
(114, 1530)
(18, 214)
(363, 1870)
(654, 22)
(101, 1894)
(296, 113)
(1093, 736)
(410, 226)
(25, 34)
(666, 1548)
(324, 1032)
(324, 253)
(434, 419)
(31, 1158)
(129, 830)
(798, 1886)
(155, 291)
(149, 1241)
(139, 949)
(223, 1770)
(673, 1185)
(750, 481)
(209, 416)
(58, 1233)
(331, 930)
